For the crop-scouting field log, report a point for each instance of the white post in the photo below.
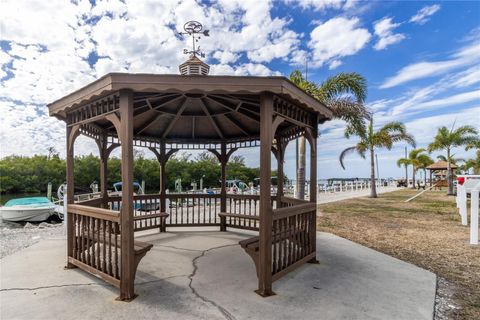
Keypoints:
(474, 214)
(462, 203)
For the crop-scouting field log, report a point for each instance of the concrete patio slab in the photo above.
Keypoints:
(206, 275)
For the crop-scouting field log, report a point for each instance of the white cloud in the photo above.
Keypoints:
(334, 64)
(468, 55)
(323, 5)
(337, 38)
(423, 15)
(451, 100)
(49, 43)
(384, 31)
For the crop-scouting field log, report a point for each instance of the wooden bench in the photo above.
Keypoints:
(140, 248)
(252, 245)
(237, 215)
(161, 215)
(223, 218)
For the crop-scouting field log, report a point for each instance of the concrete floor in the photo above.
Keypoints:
(206, 275)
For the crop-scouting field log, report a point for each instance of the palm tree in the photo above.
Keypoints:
(449, 139)
(423, 162)
(413, 160)
(475, 162)
(344, 94)
(404, 162)
(371, 140)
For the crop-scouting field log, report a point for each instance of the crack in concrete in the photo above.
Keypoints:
(178, 248)
(222, 310)
(56, 286)
(87, 284)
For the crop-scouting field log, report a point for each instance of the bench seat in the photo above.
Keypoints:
(151, 216)
(236, 215)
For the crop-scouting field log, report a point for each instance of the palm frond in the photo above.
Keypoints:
(352, 83)
(344, 153)
(347, 109)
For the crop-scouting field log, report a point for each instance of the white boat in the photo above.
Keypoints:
(33, 209)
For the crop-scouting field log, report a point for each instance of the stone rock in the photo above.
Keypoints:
(45, 225)
(28, 225)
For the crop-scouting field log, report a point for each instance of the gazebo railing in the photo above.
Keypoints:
(192, 209)
(96, 241)
(293, 237)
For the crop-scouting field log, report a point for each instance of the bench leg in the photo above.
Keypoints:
(138, 258)
(313, 260)
(223, 224)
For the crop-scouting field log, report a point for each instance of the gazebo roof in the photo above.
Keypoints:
(441, 165)
(182, 109)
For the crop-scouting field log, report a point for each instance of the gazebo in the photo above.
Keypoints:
(439, 169)
(167, 113)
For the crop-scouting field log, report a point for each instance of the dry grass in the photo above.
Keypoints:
(425, 232)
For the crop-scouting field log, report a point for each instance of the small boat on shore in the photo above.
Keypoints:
(33, 209)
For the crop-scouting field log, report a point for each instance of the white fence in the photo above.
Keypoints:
(470, 185)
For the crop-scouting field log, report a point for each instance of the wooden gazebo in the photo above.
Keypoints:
(167, 113)
(439, 169)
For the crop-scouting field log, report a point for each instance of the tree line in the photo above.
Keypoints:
(19, 174)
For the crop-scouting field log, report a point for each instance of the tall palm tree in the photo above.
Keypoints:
(404, 162)
(344, 94)
(424, 161)
(413, 160)
(449, 139)
(371, 140)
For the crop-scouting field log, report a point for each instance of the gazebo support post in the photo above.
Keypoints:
(72, 133)
(102, 148)
(163, 189)
(126, 214)
(280, 154)
(223, 180)
(265, 231)
(162, 158)
(312, 135)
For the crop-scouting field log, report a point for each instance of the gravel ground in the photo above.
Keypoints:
(15, 237)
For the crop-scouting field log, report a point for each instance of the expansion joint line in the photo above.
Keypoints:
(222, 310)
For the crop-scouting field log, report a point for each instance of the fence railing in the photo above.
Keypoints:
(293, 237)
(192, 209)
(96, 241)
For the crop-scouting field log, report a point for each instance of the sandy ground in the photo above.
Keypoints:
(16, 237)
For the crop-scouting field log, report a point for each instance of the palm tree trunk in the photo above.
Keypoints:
(449, 174)
(373, 188)
(406, 174)
(301, 169)
(413, 176)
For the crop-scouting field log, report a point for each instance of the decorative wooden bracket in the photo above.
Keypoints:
(74, 133)
(159, 155)
(115, 120)
(219, 155)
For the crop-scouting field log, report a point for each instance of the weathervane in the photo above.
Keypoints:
(194, 29)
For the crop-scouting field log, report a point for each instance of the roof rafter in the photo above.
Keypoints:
(212, 120)
(147, 124)
(175, 119)
(237, 124)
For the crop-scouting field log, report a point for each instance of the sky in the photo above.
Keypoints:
(421, 60)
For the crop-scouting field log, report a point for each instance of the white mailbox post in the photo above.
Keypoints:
(475, 192)
(470, 185)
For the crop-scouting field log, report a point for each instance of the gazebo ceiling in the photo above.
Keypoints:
(191, 108)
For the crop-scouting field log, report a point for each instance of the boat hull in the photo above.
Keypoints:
(24, 213)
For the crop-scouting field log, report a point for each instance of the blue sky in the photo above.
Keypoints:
(421, 60)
